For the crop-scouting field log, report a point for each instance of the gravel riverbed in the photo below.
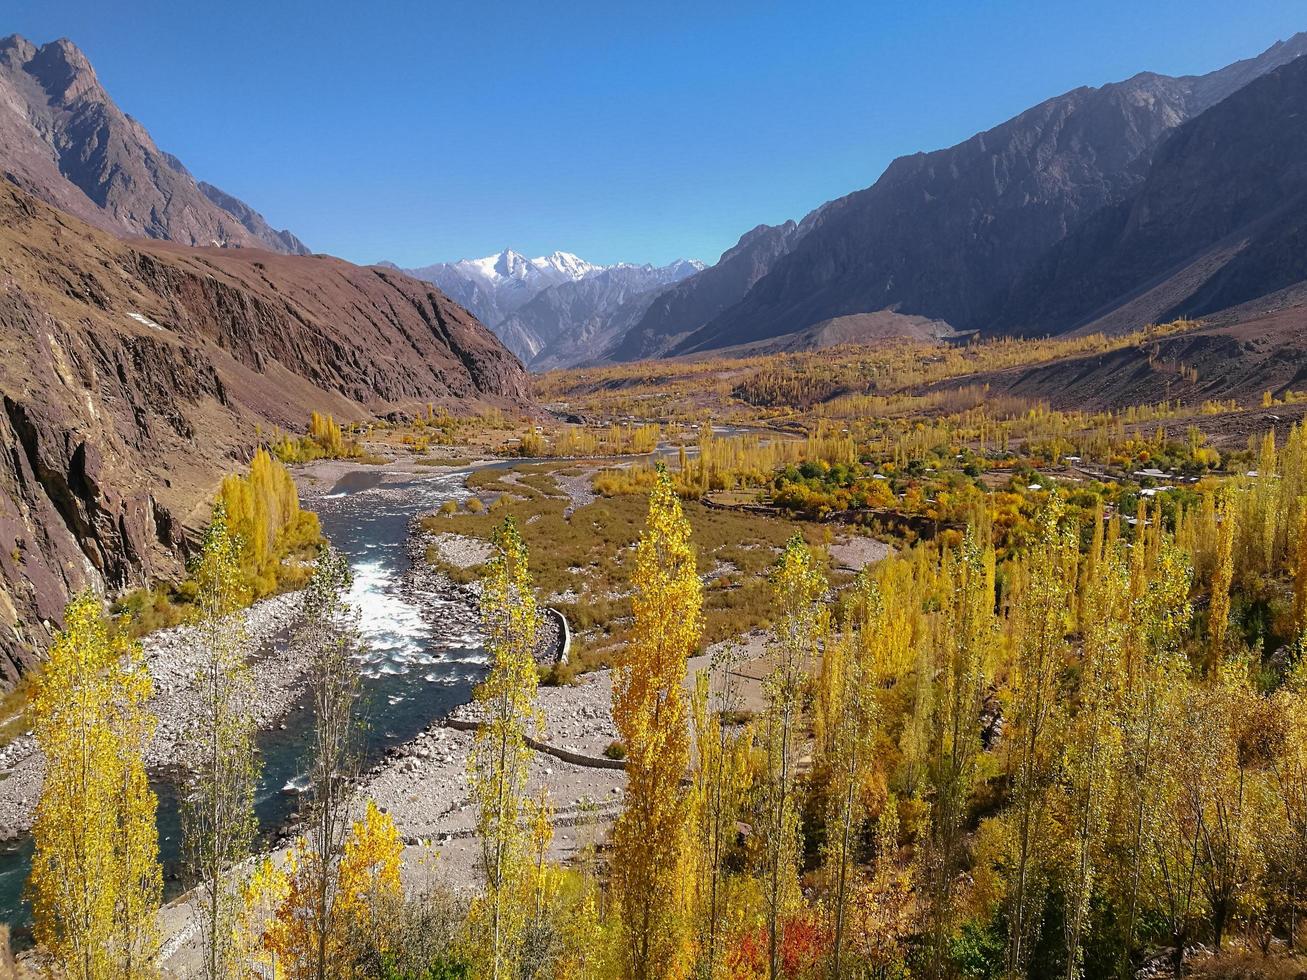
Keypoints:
(173, 657)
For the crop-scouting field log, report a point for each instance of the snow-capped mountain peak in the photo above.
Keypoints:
(576, 298)
(508, 266)
(496, 268)
(566, 264)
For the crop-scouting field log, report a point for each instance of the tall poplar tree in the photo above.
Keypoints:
(328, 636)
(96, 882)
(652, 869)
(218, 820)
(1218, 617)
(1042, 623)
(498, 764)
(799, 630)
(966, 632)
(722, 779)
(1094, 750)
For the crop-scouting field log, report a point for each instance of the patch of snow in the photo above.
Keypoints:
(143, 319)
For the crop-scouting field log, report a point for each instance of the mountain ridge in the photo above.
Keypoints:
(134, 374)
(65, 141)
(1217, 223)
(946, 234)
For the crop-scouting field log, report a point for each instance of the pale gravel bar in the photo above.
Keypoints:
(173, 657)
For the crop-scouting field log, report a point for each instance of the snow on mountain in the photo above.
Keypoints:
(573, 322)
(495, 288)
(566, 264)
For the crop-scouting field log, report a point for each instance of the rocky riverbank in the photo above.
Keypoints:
(173, 657)
(462, 551)
(424, 785)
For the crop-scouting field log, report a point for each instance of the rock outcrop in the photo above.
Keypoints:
(133, 375)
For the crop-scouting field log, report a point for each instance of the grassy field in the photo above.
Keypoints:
(582, 562)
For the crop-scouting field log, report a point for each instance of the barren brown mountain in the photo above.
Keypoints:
(947, 234)
(133, 375)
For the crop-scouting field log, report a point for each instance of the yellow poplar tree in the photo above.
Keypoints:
(1218, 617)
(1042, 622)
(310, 939)
(366, 888)
(1152, 677)
(963, 649)
(650, 843)
(1300, 570)
(370, 890)
(1093, 751)
(801, 625)
(721, 780)
(498, 763)
(96, 881)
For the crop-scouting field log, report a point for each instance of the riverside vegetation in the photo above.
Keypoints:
(1061, 731)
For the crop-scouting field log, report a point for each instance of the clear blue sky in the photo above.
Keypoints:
(427, 131)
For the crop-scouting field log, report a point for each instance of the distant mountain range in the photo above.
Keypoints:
(1042, 223)
(63, 140)
(1102, 208)
(558, 309)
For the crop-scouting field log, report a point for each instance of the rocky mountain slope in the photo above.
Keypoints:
(947, 234)
(134, 374)
(1219, 222)
(64, 140)
(676, 312)
(1227, 359)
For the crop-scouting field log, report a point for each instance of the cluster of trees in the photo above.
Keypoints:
(325, 440)
(274, 535)
(96, 881)
(613, 440)
(1048, 765)
(1048, 762)
(734, 462)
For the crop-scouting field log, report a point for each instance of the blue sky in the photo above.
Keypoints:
(427, 131)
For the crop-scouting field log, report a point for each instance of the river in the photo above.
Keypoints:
(423, 655)
(423, 652)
